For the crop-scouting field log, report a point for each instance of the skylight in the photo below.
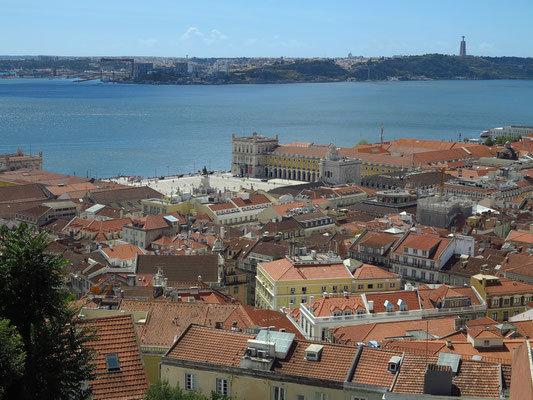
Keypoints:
(112, 362)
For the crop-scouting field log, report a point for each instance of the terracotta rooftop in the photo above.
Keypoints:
(19, 193)
(438, 327)
(372, 367)
(116, 335)
(325, 306)
(433, 244)
(123, 252)
(473, 379)
(256, 199)
(430, 297)
(408, 296)
(508, 286)
(167, 319)
(334, 363)
(285, 270)
(213, 346)
(377, 239)
(367, 271)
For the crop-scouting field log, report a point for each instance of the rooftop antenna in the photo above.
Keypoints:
(381, 135)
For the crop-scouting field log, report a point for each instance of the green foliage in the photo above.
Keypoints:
(439, 66)
(163, 391)
(489, 142)
(299, 71)
(505, 139)
(12, 356)
(33, 299)
(362, 141)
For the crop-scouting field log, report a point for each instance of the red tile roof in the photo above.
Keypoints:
(324, 306)
(367, 271)
(474, 378)
(372, 367)
(116, 335)
(168, 319)
(438, 327)
(284, 270)
(333, 365)
(213, 346)
(409, 297)
(433, 244)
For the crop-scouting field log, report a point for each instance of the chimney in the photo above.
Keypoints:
(313, 254)
(370, 305)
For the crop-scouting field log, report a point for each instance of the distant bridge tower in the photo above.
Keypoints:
(462, 50)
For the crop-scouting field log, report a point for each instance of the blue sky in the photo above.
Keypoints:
(290, 28)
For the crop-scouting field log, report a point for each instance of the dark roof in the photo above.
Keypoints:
(20, 193)
(124, 194)
(180, 268)
(295, 189)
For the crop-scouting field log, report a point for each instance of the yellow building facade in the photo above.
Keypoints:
(504, 297)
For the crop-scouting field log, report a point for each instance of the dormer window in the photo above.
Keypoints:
(336, 313)
(394, 364)
(348, 312)
(402, 305)
(389, 307)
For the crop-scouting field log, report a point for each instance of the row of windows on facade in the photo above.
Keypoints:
(236, 220)
(507, 301)
(505, 315)
(414, 261)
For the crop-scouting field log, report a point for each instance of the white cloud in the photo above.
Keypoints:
(194, 33)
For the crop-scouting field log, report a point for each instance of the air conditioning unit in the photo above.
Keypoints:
(262, 353)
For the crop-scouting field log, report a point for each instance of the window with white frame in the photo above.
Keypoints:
(321, 396)
(495, 302)
(335, 288)
(293, 290)
(358, 398)
(222, 386)
(517, 300)
(191, 381)
(324, 289)
(506, 301)
(300, 397)
(279, 393)
(360, 287)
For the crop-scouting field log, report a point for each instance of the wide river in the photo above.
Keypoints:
(109, 129)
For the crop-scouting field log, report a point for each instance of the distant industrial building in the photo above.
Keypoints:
(512, 131)
(141, 69)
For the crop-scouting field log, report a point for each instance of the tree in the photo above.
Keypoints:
(362, 141)
(11, 356)
(33, 298)
(489, 142)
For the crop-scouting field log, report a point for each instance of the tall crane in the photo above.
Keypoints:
(130, 60)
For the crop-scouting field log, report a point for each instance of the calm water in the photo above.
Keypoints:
(108, 129)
